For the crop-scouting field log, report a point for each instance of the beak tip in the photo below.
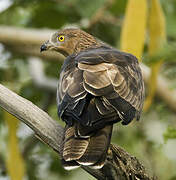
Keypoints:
(43, 48)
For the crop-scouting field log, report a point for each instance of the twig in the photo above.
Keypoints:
(119, 163)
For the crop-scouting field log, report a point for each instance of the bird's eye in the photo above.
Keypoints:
(61, 38)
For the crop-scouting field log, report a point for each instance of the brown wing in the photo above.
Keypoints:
(99, 86)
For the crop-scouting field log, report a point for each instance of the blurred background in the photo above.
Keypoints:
(146, 28)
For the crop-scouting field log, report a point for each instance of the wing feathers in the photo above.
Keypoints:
(107, 74)
(94, 68)
(96, 80)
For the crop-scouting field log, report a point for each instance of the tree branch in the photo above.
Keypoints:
(119, 164)
(39, 121)
(27, 41)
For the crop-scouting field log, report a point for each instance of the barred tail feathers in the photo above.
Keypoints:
(89, 151)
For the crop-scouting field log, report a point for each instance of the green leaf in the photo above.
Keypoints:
(170, 133)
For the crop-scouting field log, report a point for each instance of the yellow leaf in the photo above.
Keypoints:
(134, 27)
(157, 39)
(156, 27)
(15, 162)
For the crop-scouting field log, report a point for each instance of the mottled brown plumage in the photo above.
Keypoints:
(98, 87)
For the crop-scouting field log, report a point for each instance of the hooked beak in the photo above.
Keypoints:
(44, 47)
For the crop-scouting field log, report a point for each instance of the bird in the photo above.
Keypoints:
(98, 87)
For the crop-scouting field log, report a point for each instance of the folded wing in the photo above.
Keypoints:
(101, 85)
(97, 88)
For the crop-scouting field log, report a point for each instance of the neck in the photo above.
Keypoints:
(85, 41)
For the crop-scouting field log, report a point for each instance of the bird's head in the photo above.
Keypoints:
(69, 41)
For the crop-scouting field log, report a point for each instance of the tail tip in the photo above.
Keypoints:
(69, 165)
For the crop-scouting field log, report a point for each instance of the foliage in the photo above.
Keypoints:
(103, 19)
(170, 133)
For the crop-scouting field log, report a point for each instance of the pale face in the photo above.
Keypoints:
(63, 42)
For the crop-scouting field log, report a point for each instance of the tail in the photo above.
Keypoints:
(79, 149)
